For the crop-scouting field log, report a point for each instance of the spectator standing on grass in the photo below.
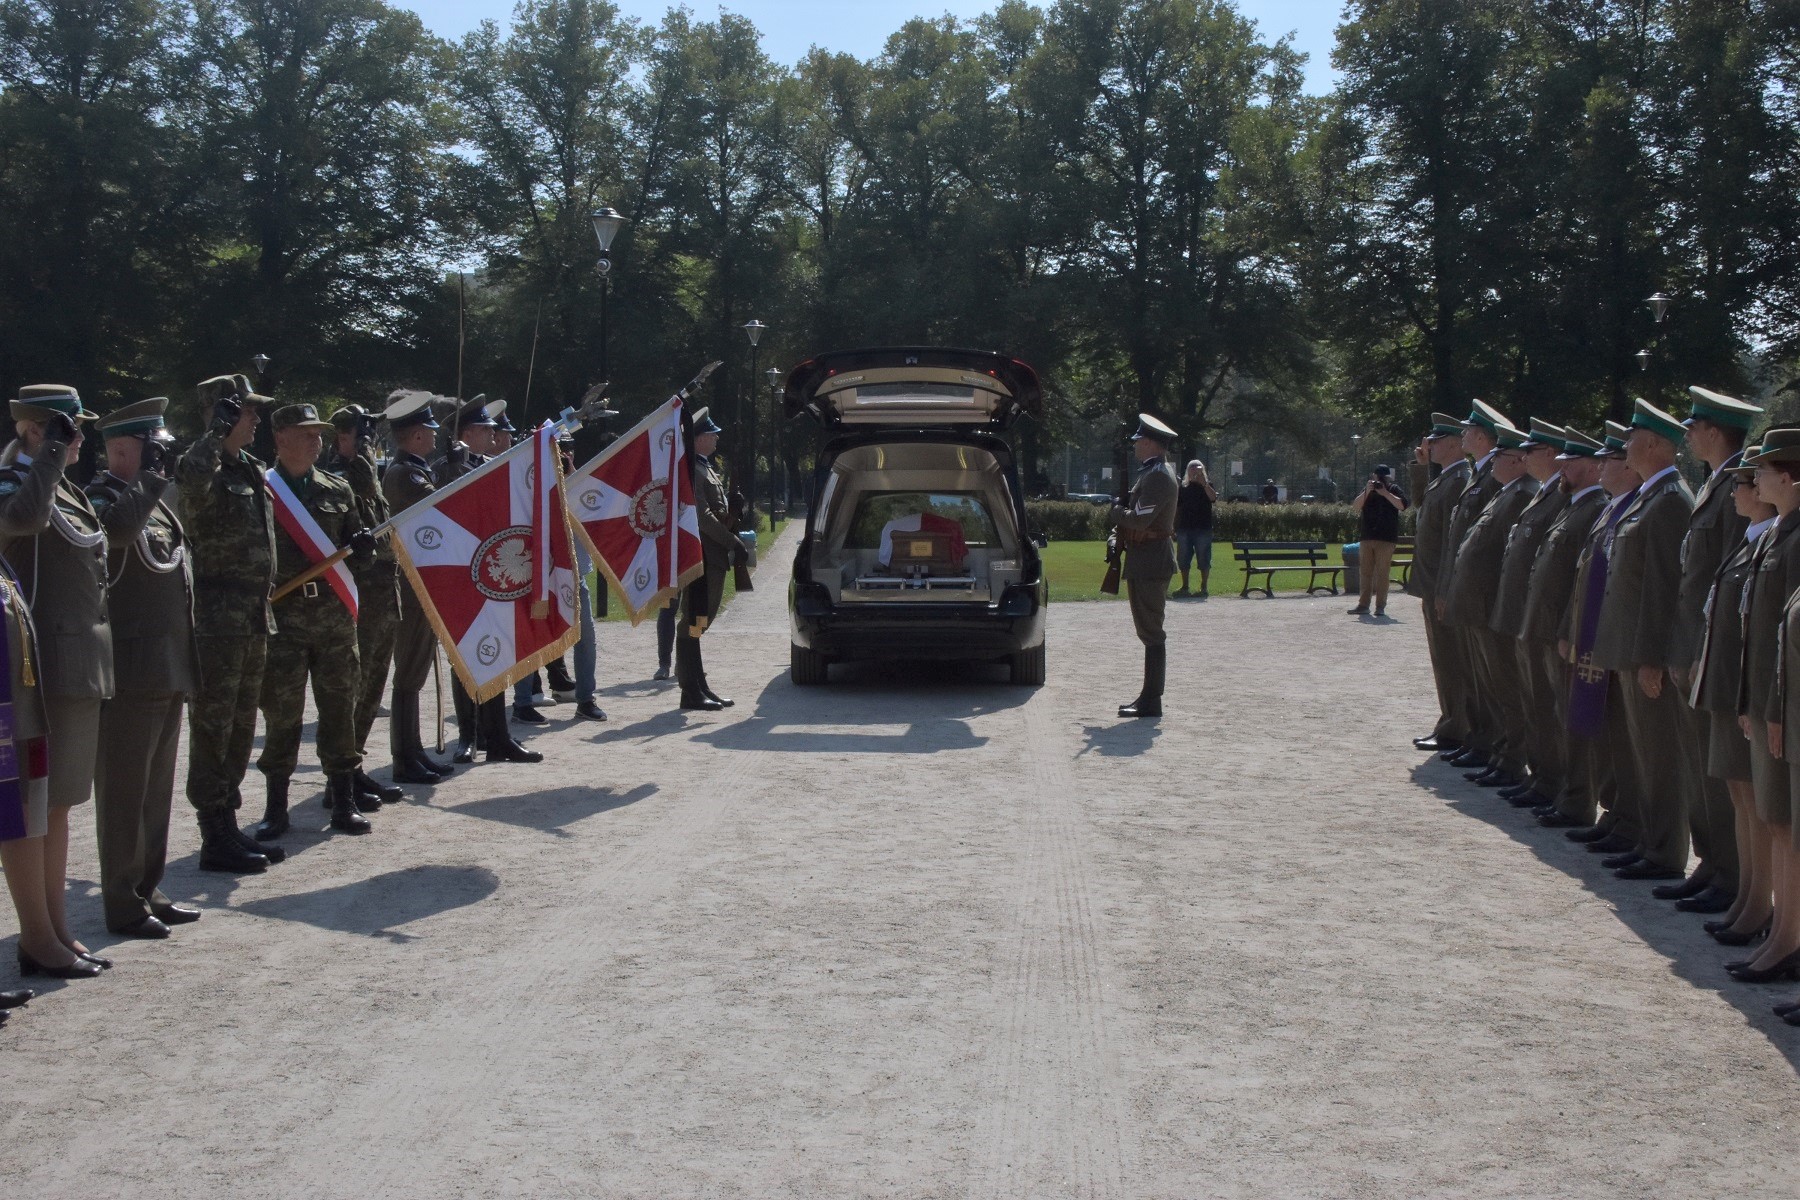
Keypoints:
(1380, 504)
(1194, 526)
(1270, 493)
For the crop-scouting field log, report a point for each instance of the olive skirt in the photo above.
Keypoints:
(1727, 749)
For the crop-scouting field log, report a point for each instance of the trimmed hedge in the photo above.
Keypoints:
(1077, 521)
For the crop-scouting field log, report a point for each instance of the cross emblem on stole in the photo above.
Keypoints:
(1586, 671)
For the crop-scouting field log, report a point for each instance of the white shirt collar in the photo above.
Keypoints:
(1592, 487)
(1485, 459)
(1651, 482)
(1758, 528)
(24, 459)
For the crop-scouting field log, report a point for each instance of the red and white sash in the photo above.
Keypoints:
(312, 541)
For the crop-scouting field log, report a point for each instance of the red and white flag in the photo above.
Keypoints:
(634, 507)
(494, 567)
(299, 524)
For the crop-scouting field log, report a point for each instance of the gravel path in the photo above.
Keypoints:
(921, 933)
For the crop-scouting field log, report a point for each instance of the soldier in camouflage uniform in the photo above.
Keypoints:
(317, 632)
(377, 579)
(225, 507)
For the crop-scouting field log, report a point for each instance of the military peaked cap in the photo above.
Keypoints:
(1543, 433)
(1721, 409)
(1149, 427)
(703, 422)
(1577, 444)
(1645, 415)
(1483, 415)
(407, 409)
(133, 420)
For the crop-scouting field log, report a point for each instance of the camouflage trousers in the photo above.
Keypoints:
(377, 621)
(222, 718)
(316, 637)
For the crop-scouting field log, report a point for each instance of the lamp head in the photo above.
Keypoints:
(607, 223)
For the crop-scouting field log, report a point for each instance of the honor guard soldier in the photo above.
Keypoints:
(1480, 442)
(720, 550)
(53, 539)
(1469, 602)
(1717, 426)
(1430, 550)
(377, 580)
(231, 527)
(1636, 639)
(1560, 769)
(481, 725)
(1526, 710)
(316, 515)
(1145, 530)
(412, 431)
(155, 670)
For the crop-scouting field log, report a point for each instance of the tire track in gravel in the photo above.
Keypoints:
(1056, 1118)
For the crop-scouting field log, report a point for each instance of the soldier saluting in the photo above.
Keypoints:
(155, 671)
(1145, 529)
(225, 505)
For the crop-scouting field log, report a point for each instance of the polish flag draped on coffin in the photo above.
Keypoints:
(491, 559)
(623, 501)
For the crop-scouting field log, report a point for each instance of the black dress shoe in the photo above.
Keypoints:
(1470, 760)
(527, 715)
(1727, 936)
(1614, 862)
(698, 703)
(1691, 886)
(1782, 1010)
(589, 711)
(81, 968)
(17, 998)
(510, 751)
(1485, 776)
(412, 774)
(148, 928)
(1141, 708)
(1787, 967)
(724, 701)
(1436, 744)
(1645, 869)
(176, 914)
(1587, 833)
(1612, 843)
(1715, 926)
(1712, 900)
(1530, 800)
(1452, 751)
(1514, 790)
(1557, 819)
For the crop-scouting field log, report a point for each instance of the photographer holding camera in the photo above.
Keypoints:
(1380, 504)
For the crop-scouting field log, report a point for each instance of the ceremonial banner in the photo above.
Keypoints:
(493, 565)
(300, 525)
(623, 501)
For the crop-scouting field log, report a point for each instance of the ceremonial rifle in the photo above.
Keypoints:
(1115, 547)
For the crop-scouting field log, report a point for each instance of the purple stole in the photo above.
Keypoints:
(12, 788)
(1587, 682)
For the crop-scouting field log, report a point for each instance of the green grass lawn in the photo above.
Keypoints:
(763, 576)
(1076, 569)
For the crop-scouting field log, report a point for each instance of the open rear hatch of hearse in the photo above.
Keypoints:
(914, 388)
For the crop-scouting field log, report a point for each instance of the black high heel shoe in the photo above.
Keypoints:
(1787, 967)
(1731, 937)
(104, 963)
(79, 969)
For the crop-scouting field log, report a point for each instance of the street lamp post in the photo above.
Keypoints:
(774, 376)
(607, 223)
(1659, 307)
(1356, 459)
(753, 329)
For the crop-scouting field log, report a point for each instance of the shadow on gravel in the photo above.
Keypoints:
(873, 708)
(551, 812)
(376, 907)
(1676, 935)
(1127, 739)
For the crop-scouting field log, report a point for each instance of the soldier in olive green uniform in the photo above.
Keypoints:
(1549, 593)
(1474, 583)
(316, 635)
(1717, 426)
(1636, 639)
(377, 580)
(1430, 552)
(720, 549)
(53, 540)
(1145, 530)
(1528, 708)
(413, 432)
(225, 508)
(1480, 441)
(155, 667)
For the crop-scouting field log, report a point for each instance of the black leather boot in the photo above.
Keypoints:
(466, 724)
(706, 690)
(386, 793)
(691, 674)
(403, 740)
(497, 736)
(1149, 701)
(341, 787)
(275, 813)
(219, 848)
(268, 850)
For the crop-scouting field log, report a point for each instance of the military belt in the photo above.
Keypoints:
(239, 586)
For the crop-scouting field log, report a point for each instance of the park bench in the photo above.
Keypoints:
(1268, 558)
